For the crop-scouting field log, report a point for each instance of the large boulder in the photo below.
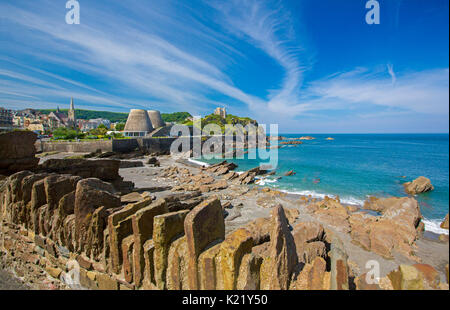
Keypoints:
(406, 277)
(313, 276)
(396, 229)
(332, 212)
(17, 152)
(419, 185)
(309, 237)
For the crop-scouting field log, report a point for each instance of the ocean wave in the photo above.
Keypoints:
(434, 226)
(430, 225)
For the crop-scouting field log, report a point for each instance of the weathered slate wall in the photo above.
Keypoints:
(65, 218)
(70, 226)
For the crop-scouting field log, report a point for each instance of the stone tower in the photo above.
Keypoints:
(72, 121)
(222, 112)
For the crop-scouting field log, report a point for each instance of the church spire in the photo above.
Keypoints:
(72, 121)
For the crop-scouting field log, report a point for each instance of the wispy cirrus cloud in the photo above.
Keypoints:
(268, 26)
(180, 55)
(141, 60)
(421, 92)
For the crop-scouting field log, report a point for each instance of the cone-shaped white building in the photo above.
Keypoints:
(156, 119)
(138, 124)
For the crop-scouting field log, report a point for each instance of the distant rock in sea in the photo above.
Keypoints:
(419, 185)
(307, 138)
(444, 224)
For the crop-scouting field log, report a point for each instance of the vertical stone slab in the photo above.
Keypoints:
(203, 225)
(127, 252)
(119, 232)
(282, 251)
(56, 186)
(248, 278)
(149, 281)
(27, 187)
(91, 194)
(207, 270)
(317, 274)
(176, 275)
(142, 222)
(166, 228)
(38, 199)
(234, 247)
(339, 267)
(94, 243)
(119, 227)
(15, 185)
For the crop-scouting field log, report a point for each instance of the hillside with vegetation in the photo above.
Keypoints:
(221, 122)
(114, 117)
(120, 117)
(176, 117)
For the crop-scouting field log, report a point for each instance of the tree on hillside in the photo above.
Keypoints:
(120, 127)
(101, 130)
(66, 133)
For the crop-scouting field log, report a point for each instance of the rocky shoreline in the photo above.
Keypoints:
(150, 221)
(254, 202)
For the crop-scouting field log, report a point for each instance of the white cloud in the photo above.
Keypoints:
(421, 92)
(168, 56)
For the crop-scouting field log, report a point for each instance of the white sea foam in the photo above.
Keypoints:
(352, 201)
(434, 226)
(263, 181)
(430, 225)
(197, 162)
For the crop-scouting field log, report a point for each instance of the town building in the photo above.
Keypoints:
(222, 112)
(60, 119)
(38, 127)
(6, 119)
(94, 123)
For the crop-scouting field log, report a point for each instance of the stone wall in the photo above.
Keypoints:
(117, 145)
(73, 147)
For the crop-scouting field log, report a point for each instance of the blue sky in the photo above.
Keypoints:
(311, 66)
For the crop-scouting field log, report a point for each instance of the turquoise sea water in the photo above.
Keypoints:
(355, 166)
